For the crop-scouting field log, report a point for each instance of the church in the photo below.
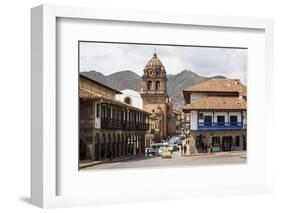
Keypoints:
(155, 97)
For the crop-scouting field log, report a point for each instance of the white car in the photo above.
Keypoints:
(154, 148)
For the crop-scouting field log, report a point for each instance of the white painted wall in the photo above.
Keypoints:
(193, 120)
(194, 114)
(134, 95)
(245, 119)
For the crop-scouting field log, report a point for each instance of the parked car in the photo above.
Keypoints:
(147, 151)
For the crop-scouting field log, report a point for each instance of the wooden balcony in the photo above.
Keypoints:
(111, 124)
(119, 125)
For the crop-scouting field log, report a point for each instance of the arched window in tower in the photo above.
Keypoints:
(149, 85)
(128, 100)
(157, 85)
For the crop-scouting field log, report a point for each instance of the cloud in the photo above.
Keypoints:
(108, 58)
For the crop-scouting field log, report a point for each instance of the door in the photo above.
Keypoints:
(97, 151)
(226, 143)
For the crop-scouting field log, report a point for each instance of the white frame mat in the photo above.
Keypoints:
(44, 84)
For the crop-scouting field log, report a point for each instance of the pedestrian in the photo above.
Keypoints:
(181, 148)
(184, 148)
(210, 148)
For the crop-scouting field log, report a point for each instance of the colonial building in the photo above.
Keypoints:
(153, 133)
(218, 117)
(155, 97)
(134, 99)
(109, 128)
(182, 120)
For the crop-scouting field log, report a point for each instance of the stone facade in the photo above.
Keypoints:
(155, 97)
(153, 133)
(109, 129)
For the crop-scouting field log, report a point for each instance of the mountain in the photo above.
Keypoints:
(119, 80)
(130, 80)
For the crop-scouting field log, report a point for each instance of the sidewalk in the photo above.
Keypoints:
(93, 163)
(215, 153)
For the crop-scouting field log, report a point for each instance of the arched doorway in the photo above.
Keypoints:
(122, 145)
(83, 150)
(103, 146)
(109, 147)
(118, 151)
(114, 146)
(97, 147)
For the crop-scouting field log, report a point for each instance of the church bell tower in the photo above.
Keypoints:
(154, 91)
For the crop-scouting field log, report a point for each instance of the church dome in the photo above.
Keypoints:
(154, 63)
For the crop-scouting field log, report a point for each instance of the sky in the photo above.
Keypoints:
(108, 58)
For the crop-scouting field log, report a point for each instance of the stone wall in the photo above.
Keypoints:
(86, 125)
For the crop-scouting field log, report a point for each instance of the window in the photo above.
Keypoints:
(108, 112)
(207, 120)
(103, 111)
(149, 85)
(216, 141)
(233, 120)
(98, 110)
(128, 100)
(237, 141)
(200, 116)
(157, 85)
(220, 120)
(123, 115)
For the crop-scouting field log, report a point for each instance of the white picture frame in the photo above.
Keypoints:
(44, 154)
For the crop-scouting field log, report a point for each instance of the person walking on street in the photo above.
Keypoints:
(184, 148)
(181, 149)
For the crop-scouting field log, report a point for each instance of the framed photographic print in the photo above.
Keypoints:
(139, 103)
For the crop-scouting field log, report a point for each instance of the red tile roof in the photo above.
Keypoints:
(217, 103)
(219, 85)
(87, 94)
(91, 95)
